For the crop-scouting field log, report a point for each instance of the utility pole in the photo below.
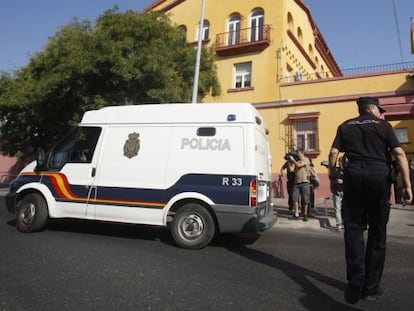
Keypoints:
(199, 43)
(398, 30)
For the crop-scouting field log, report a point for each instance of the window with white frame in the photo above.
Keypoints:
(243, 74)
(402, 135)
(257, 25)
(305, 133)
(205, 33)
(234, 29)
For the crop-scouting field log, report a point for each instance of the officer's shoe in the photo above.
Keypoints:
(352, 294)
(370, 297)
(339, 228)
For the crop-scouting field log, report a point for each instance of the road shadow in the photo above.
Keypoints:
(128, 231)
(235, 239)
(314, 298)
(136, 231)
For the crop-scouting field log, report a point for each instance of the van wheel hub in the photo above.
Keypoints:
(192, 226)
(28, 213)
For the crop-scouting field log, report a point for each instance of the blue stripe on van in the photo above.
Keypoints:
(221, 189)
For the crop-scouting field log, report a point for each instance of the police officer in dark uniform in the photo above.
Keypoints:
(368, 143)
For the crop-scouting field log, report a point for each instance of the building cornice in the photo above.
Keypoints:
(164, 9)
(398, 104)
(304, 115)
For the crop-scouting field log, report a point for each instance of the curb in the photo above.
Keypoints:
(323, 216)
(320, 218)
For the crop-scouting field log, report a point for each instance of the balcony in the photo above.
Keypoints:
(243, 41)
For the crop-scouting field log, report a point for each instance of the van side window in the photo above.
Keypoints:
(77, 147)
(85, 145)
(206, 131)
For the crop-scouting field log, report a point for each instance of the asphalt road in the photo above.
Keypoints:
(78, 265)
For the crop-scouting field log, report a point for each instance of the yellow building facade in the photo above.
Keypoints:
(272, 54)
(259, 44)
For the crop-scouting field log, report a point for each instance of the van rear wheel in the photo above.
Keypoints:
(31, 213)
(192, 227)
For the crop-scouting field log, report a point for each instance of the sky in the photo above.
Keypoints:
(359, 33)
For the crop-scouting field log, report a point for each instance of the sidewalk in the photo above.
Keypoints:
(401, 223)
(321, 218)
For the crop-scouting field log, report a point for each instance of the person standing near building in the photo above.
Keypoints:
(368, 143)
(301, 191)
(288, 171)
(337, 189)
(411, 164)
(314, 184)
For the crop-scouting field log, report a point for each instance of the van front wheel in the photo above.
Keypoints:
(192, 227)
(31, 213)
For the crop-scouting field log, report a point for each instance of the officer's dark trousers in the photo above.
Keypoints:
(366, 205)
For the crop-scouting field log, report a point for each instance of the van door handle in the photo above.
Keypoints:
(93, 173)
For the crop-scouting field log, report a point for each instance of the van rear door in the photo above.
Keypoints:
(263, 166)
(265, 213)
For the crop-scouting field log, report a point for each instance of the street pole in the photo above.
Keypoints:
(199, 43)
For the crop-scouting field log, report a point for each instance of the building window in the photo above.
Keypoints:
(234, 30)
(304, 132)
(243, 74)
(402, 135)
(183, 31)
(289, 73)
(300, 35)
(291, 24)
(205, 31)
(311, 51)
(257, 25)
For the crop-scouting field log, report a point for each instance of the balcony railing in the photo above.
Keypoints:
(243, 41)
(369, 70)
(378, 69)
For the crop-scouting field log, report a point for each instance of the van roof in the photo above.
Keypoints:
(173, 113)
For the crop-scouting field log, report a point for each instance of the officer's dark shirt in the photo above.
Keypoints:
(366, 138)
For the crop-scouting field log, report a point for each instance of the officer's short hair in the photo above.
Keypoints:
(365, 102)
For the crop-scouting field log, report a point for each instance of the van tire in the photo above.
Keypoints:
(192, 227)
(31, 213)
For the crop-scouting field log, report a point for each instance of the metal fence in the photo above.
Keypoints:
(360, 71)
(378, 69)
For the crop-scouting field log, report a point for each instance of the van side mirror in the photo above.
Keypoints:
(41, 160)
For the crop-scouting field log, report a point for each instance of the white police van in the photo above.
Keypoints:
(198, 169)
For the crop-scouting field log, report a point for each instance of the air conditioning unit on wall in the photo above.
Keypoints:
(298, 76)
